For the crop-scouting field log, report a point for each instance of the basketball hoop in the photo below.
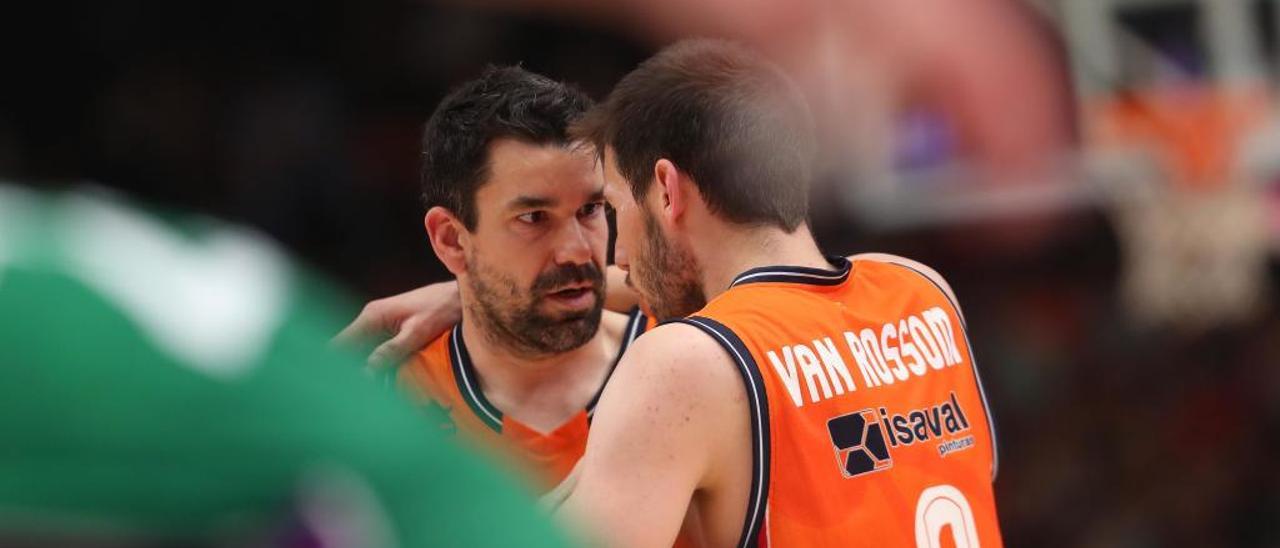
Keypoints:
(1192, 258)
(1191, 221)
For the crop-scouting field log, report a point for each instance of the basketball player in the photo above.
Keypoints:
(517, 215)
(805, 400)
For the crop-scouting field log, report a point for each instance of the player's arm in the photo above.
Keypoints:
(414, 318)
(674, 405)
(409, 321)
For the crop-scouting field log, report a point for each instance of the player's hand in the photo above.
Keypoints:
(404, 323)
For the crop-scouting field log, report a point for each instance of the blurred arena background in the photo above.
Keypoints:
(1095, 177)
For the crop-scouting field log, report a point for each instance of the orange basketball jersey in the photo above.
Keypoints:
(443, 373)
(869, 424)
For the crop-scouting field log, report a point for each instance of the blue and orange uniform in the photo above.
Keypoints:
(869, 422)
(443, 372)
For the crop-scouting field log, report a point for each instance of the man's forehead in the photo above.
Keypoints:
(517, 155)
(522, 166)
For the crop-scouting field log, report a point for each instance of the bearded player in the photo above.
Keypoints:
(516, 213)
(805, 400)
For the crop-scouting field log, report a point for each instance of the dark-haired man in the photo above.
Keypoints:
(516, 213)
(806, 400)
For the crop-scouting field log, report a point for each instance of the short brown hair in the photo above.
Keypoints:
(723, 115)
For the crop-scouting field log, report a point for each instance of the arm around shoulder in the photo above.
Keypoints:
(405, 323)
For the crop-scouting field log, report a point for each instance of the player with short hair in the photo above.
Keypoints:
(805, 400)
(516, 212)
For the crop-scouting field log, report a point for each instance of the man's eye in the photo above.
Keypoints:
(532, 217)
(591, 209)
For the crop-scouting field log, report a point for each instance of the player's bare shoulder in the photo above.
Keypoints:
(678, 371)
(680, 354)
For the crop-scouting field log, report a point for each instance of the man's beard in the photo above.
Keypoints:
(511, 318)
(669, 277)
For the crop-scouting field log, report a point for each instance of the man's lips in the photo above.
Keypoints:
(576, 296)
(571, 288)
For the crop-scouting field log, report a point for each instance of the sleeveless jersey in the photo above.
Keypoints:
(869, 423)
(444, 375)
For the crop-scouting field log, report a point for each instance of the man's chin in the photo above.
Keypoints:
(565, 332)
(665, 310)
(568, 319)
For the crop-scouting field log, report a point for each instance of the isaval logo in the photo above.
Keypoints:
(862, 439)
(859, 443)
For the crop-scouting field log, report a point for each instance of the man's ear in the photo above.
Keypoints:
(448, 237)
(673, 190)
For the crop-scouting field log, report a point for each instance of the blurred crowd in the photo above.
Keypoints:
(984, 138)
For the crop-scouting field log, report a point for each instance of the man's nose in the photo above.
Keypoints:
(574, 245)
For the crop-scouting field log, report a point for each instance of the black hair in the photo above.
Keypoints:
(503, 102)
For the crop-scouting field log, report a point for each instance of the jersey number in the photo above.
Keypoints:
(944, 507)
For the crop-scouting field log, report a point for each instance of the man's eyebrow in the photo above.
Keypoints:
(530, 202)
(597, 195)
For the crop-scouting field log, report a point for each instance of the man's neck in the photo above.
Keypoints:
(737, 250)
(540, 391)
